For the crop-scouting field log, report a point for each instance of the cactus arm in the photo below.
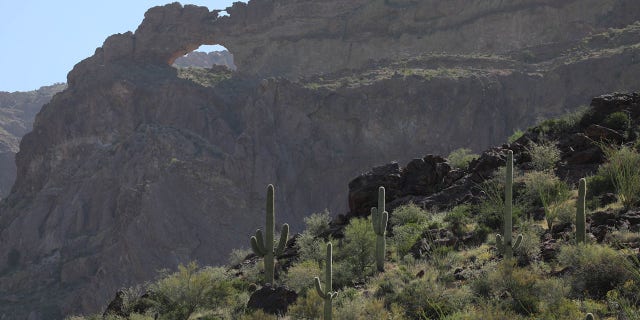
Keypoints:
(256, 247)
(321, 293)
(581, 220)
(284, 236)
(516, 245)
(375, 219)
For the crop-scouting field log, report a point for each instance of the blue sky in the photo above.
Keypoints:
(41, 40)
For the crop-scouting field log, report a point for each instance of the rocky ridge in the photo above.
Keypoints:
(132, 168)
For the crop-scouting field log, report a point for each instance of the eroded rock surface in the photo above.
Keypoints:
(132, 169)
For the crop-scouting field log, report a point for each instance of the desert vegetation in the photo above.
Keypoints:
(534, 245)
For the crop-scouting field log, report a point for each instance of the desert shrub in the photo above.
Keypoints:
(517, 286)
(317, 223)
(256, 315)
(563, 123)
(409, 213)
(310, 247)
(529, 249)
(299, 277)
(180, 294)
(358, 247)
(458, 218)
(237, 256)
(307, 306)
(515, 136)
(598, 269)
(549, 190)
(544, 155)
(424, 299)
(598, 185)
(405, 236)
(617, 121)
(622, 170)
(460, 158)
(491, 208)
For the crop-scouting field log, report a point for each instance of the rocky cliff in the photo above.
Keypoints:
(137, 166)
(17, 111)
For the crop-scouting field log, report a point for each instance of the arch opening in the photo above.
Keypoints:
(206, 56)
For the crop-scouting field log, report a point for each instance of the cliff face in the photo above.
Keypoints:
(136, 166)
(17, 111)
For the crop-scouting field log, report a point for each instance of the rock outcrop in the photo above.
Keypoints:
(17, 112)
(132, 168)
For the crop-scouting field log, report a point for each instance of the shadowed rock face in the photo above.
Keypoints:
(133, 168)
(17, 111)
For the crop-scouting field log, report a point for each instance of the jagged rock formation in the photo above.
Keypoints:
(136, 167)
(199, 59)
(17, 111)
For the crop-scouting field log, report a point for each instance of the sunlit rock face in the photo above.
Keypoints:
(139, 166)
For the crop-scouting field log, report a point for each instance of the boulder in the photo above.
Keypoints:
(273, 300)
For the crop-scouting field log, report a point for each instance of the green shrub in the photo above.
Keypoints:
(617, 121)
(491, 209)
(317, 223)
(529, 249)
(458, 218)
(237, 256)
(597, 185)
(310, 247)
(544, 155)
(405, 235)
(515, 136)
(598, 269)
(409, 213)
(299, 277)
(551, 192)
(622, 170)
(515, 287)
(460, 158)
(358, 247)
(307, 306)
(180, 294)
(423, 299)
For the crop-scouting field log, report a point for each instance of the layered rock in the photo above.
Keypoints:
(132, 169)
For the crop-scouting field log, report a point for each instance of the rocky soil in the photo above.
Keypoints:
(133, 168)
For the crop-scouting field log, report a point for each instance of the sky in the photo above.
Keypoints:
(41, 40)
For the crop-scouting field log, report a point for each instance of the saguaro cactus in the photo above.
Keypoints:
(504, 243)
(264, 247)
(581, 220)
(327, 294)
(379, 218)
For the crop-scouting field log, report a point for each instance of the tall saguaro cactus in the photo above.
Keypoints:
(264, 247)
(327, 294)
(379, 219)
(504, 243)
(581, 220)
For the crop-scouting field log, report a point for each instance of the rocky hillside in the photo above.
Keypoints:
(137, 166)
(17, 112)
(442, 260)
